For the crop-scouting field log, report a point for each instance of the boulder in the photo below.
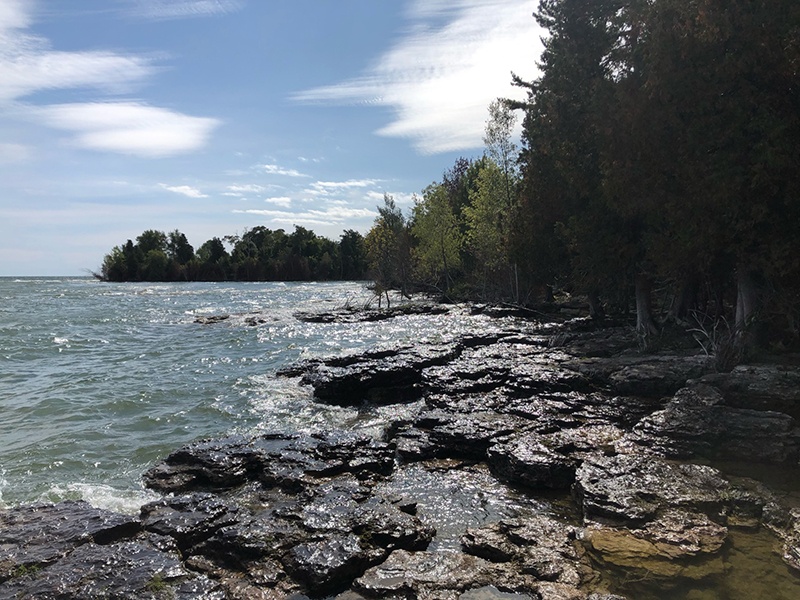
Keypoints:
(525, 460)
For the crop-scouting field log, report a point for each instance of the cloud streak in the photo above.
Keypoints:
(184, 190)
(28, 65)
(129, 128)
(332, 215)
(181, 9)
(278, 170)
(440, 78)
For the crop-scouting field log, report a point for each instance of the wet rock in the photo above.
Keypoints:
(445, 434)
(289, 462)
(696, 423)
(211, 320)
(327, 564)
(34, 536)
(214, 464)
(526, 461)
(631, 490)
(542, 547)
(760, 387)
(676, 545)
(436, 575)
(356, 315)
(394, 376)
(144, 568)
(642, 375)
(487, 367)
(188, 520)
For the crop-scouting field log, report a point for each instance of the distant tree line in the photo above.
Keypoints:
(659, 173)
(258, 254)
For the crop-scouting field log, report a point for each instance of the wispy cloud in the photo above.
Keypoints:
(29, 65)
(400, 198)
(184, 190)
(244, 190)
(284, 201)
(440, 78)
(325, 188)
(129, 127)
(181, 9)
(332, 215)
(277, 170)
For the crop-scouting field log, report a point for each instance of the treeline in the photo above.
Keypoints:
(258, 254)
(660, 153)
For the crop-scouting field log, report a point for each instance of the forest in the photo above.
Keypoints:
(657, 176)
(258, 254)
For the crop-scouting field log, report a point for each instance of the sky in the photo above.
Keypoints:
(216, 116)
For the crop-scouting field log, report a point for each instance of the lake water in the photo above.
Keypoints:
(98, 381)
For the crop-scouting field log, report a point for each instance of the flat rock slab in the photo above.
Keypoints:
(696, 422)
(35, 535)
(146, 568)
(290, 462)
(631, 490)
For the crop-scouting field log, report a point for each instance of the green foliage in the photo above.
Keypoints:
(660, 148)
(437, 232)
(388, 248)
(258, 254)
(488, 222)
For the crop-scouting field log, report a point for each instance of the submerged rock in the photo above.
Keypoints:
(674, 546)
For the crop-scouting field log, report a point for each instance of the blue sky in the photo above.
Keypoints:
(214, 116)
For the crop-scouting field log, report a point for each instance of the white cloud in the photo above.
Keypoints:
(184, 190)
(400, 198)
(325, 188)
(284, 201)
(334, 215)
(276, 170)
(29, 65)
(129, 127)
(14, 15)
(241, 190)
(440, 79)
(180, 9)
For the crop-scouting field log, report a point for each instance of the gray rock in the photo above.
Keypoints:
(144, 568)
(36, 535)
(525, 460)
(289, 462)
(760, 387)
(630, 490)
(695, 423)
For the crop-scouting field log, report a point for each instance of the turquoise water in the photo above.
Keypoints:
(98, 381)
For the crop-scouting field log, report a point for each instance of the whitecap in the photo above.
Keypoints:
(102, 496)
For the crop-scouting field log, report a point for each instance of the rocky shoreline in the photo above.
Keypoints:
(575, 467)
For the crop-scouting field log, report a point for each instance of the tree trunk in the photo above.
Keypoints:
(747, 298)
(685, 299)
(645, 324)
(596, 311)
